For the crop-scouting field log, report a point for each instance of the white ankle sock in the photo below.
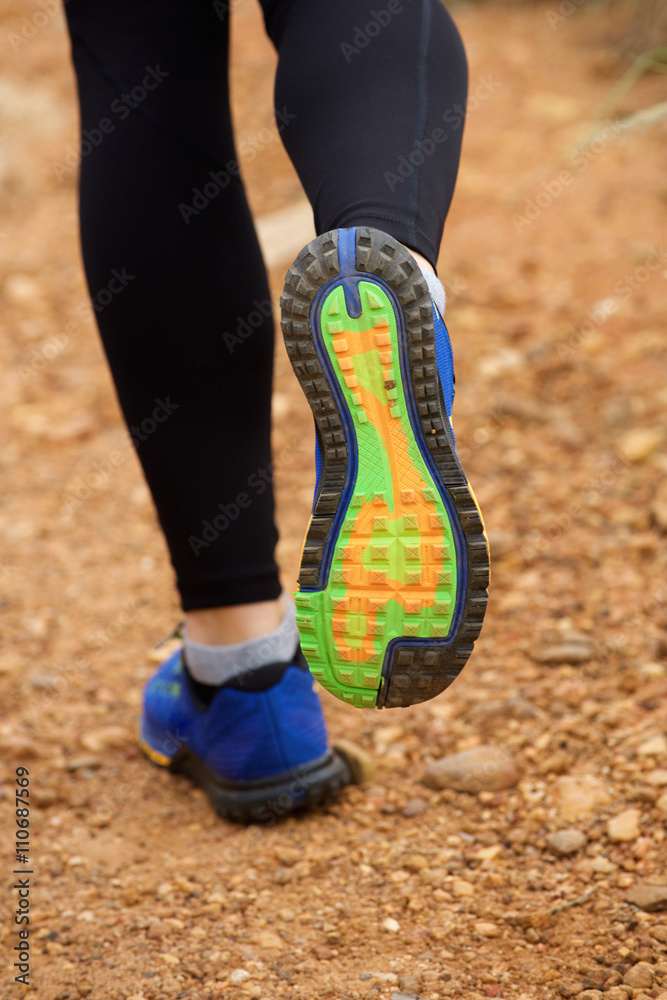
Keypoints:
(216, 665)
(436, 290)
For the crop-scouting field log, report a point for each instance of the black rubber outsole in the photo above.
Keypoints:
(413, 672)
(267, 801)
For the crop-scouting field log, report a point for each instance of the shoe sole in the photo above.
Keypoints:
(264, 800)
(395, 564)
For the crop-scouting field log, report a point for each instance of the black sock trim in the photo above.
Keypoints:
(259, 679)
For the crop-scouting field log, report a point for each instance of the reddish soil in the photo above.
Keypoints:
(139, 891)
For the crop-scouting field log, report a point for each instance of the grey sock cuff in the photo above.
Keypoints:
(218, 664)
(437, 290)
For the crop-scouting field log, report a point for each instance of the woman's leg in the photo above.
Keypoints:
(376, 95)
(165, 225)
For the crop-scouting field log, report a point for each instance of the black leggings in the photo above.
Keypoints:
(369, 99)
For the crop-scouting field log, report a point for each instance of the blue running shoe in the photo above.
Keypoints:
(259, 750)
(395, 565)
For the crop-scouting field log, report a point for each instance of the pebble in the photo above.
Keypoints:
(625, 826)
(648, 896)
(487, 930)
(639, 443)
(361, 764)
(83, 762)
(590, 995)
(414, 807)
(640, 976)
(409, 984)
(661, 804)
(239, 976)
(482, 768)
(268, 939)
(391, 925)
(603, 865)
(462, 889)
(616, 993)
(655, 747)
(105, 738)
(656, 777)
(565, 652)
(659, 933)
(564, 842)
(400, 995)
(281, 876)
(578, 796)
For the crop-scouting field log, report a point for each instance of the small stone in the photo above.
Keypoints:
(655, 747)
(391, 925)
(170, 959)
(565, 842)
(590, 995)
(400, 995)
(657, 777)
(578, 796)
(415, 863)
(281, 876)
(409, 984)
(288, 856)
(84, 762)
(462, 889)
(482, 768)
(640, 976)
(595, 979)
(106, 738)
(239, 976)
(625, 826)
(661, 804)
(44, 681)
(659, 933)
(360, 763)
(565, 652)
(603, 865)
(616, 993)
(415, 807)
(638, 444)
(158, 930)
(268, 939)
(487, 930)
(648, 896)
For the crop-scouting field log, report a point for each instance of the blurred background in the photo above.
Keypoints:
(554, 260)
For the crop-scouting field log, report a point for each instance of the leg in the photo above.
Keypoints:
(378, 104)
(395, 564)
(162, 205)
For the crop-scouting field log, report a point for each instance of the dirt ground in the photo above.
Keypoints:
(557, 311)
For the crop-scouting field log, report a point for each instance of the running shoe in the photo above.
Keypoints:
(258, 749)
(395, 564)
